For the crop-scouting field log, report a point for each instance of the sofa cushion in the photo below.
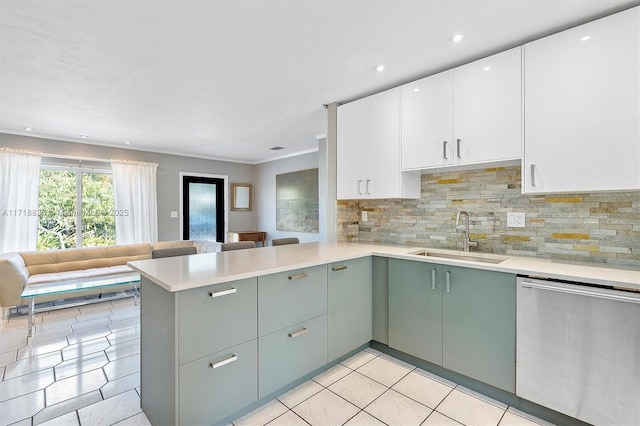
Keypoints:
(74, 275)
(47, 262)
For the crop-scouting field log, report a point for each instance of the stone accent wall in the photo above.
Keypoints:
(597, 227)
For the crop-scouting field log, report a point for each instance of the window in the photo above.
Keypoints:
(203, 208)
(76, 208)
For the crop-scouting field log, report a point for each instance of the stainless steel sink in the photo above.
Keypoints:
(462, 256)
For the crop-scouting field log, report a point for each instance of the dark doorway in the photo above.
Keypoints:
(203, 208)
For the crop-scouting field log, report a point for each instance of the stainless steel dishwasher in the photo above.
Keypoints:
(578, 350)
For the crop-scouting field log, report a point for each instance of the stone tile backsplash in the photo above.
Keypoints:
(597, 227)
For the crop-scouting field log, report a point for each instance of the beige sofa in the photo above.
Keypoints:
(19, 270)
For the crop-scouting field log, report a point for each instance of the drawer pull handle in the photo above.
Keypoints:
(224, 361)
(339, 268)
(444, 150)
(222, 292)
(458, 147)
(447, 281)
(433, 279)
(298, 276)
(298, 333)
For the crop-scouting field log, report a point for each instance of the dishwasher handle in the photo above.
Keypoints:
(587, 291)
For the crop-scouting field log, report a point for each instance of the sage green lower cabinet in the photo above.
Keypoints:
(291, 297)
(179, 384)
(349, 306)
(290, 353)
(218, 385)
(205, 313)
(479, 317)
(415, 309)
(460, 318)
(380, 302)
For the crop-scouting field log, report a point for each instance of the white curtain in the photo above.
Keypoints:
(19, 182)
(136, 202)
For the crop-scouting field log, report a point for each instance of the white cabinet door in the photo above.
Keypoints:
(382, 148)
(487, 109)
(369, 150)
(427, 122)
(582, 108)
(350, 150)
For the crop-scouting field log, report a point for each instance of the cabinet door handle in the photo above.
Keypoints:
(447, 281)
(222, 292)
(225, 361)
(359, 182)
(458, 147)
(298, 333)
(533, 175)
(444, 150)
(298, 276)
(339, 268)
(367, 187)
(433, 279)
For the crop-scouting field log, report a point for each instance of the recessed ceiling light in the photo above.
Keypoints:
(585, 38)
(84, 136)
(486, 68)
(380, 68)
(28, 129)
(457, 38)
(417, 89)
(127, 143)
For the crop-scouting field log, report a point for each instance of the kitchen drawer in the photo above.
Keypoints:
(289, 354)
(216, 317)
(291, 297)
(209, 394)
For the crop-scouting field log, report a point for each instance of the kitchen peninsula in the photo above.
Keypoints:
(224, 332)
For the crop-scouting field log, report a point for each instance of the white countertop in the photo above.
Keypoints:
(185, 272)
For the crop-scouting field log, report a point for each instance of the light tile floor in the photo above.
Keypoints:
(372, 388)
(82, 367)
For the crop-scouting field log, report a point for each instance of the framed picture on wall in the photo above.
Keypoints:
(297, 201)
(241, 196)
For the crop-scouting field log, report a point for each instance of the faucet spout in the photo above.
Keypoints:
(467, 242)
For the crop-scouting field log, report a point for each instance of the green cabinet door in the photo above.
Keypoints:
(288, 354)
(204, 313)
(216, 386)
(380, 296)
(479, 325)
(291, 297)
(415, 309)
(349, 305)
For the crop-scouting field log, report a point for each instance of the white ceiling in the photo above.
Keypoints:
(229, 79)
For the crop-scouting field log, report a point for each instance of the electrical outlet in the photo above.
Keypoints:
(515, 219)
(174, 214)
(365, 216)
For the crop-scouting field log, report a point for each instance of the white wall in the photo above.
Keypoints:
(264, 184)
(169, 167)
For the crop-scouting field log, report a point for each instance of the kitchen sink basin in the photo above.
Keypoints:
(462, 256)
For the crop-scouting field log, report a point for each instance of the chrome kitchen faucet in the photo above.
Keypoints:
(467, 242)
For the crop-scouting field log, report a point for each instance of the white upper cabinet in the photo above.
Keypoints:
(368, 150)
(427, 122)
(487, 109)
(469, 115)
(350, 151)
(582, 108)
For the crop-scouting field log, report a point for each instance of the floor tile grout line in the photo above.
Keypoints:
(413, 399)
